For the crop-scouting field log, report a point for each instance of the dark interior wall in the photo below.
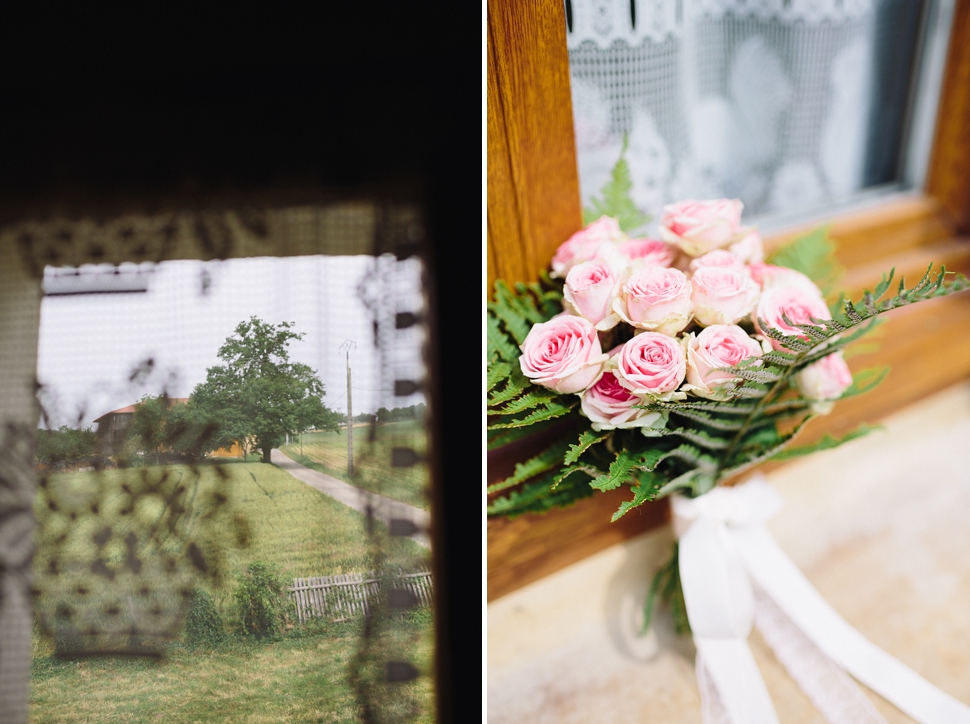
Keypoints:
(386, 97)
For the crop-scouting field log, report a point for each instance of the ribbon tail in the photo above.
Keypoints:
(781, 580)
(830, 689)
(712, 708)
(740, 690)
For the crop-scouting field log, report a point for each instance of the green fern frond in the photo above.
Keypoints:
(546, 411)
(828, 442)
(548, 459)
(621, 470)
(644, 491)
(698, 437)
(814, 256)
(566, 472)
(587, 439)
(615, 198)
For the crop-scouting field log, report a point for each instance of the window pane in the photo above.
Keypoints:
(787, 105)
(233, 512)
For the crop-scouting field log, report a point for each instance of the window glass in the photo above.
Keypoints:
(787, 105)
(233, 508)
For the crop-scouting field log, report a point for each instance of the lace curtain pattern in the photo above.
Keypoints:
(785, 104)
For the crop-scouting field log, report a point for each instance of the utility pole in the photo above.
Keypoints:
(348, 344)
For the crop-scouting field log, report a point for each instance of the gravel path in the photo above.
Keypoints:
(383, 508)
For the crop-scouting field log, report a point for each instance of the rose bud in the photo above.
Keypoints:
(698, 227)
(750, 249)
(609, 405)
(712, 351)
(721, 258)
(589, 292)
(824, 381)
(656, 299)
(651, 364)
(641, 253)
(584, 245)
(799, 304)
(563, 354)
(722, 295)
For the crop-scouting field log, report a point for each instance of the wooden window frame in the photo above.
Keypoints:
(533, 204)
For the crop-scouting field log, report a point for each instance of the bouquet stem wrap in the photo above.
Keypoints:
(734, 575)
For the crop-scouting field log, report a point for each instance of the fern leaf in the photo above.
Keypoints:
(548, 459)
(499, 345)
(644, 491)
(698, 437)
(814, 256)
(621, 470)
(865, 380)
(586, 440)
(566, 472)
(499, 438)
(615, 198)
(549, 411)
(532, 399)
(705, 418)
(496, 373)
(540, 497)
(760, 454)
(828, 442)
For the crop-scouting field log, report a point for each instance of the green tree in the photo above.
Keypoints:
(257, 396)
(147, 431)
(65, 443)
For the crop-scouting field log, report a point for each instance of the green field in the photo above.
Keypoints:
(297, 679)
(282, 521)
(327, 452)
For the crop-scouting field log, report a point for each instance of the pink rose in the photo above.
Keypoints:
(768, 276)
(641, 253)
(584, 244)
(720, 258)
(610, 405)
(563, 354)
(651, 364)
(824, 381)
(698, 227)
(717, 347)
(799, 304)
(722, 295)
(750, 249)
(589, 292)
(656, 299)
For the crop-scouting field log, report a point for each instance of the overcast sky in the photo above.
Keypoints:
(90, 343)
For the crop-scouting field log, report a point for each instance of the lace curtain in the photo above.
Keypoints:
(786, 104)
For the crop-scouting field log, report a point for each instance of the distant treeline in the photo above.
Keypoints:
(412, 412)
(65, 443)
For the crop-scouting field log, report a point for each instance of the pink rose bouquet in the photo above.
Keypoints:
(718, 357)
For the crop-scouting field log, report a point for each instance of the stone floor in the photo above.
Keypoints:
(880, 526)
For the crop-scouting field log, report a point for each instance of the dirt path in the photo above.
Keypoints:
(384, 509)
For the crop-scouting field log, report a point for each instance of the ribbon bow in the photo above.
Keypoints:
(734, 575)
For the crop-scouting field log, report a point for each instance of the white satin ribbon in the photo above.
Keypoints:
(724, 548)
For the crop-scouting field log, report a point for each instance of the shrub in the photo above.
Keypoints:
(203, 625)
(261, 601)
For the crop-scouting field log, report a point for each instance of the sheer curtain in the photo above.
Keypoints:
(786, 104)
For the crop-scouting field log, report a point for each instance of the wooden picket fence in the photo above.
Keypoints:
(346, 596)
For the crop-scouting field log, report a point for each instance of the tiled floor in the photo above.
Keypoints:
(880, 526)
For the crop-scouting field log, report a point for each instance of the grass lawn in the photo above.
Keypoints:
(303, 533)
(297, 679)
(327, 452)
